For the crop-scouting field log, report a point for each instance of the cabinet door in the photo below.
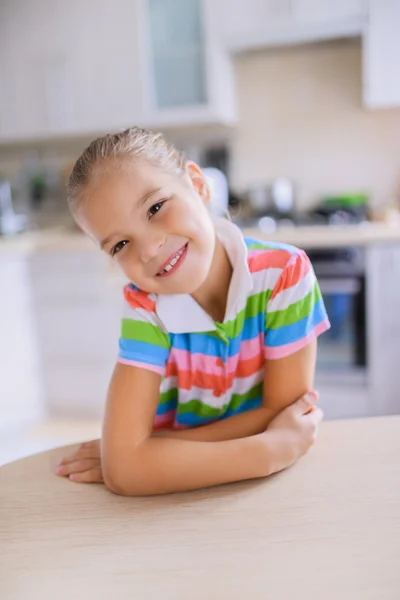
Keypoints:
(68, 67)
(382, 55)
(383, 327)
(247, 19)
(21, 391)
(22, 94)
(324, 11)
(77, 314)
(177, 54)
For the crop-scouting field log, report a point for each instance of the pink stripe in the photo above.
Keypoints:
(282, 351)
(186, 361)
(164, 419)
(147, 366)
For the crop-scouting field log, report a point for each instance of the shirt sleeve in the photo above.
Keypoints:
(295, 312)
(142, 342)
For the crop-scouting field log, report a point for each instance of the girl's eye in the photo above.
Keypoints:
(118, 247)
(155, 208)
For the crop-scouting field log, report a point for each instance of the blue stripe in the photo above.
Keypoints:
(143, 352)
(167, 406)
(193, 420)
(204, 343)
(272, 245)
(245, 406)
(296, 331)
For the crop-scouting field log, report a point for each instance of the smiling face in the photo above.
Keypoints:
(155, 225)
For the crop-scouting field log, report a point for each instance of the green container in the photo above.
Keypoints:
(346, 200)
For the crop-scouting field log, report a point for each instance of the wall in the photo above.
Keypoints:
(301, 116)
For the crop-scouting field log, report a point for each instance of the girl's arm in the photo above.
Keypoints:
(135, 462)
(285, 381)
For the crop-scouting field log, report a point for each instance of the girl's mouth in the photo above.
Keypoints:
(174, 262)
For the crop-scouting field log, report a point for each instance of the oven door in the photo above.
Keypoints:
(343, 348)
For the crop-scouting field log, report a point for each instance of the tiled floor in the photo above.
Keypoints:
(23, 438)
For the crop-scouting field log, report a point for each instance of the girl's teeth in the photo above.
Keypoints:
(173, 262)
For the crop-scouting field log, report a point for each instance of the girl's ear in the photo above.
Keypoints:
(198, 181)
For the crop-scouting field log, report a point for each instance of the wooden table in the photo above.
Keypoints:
(328, 528)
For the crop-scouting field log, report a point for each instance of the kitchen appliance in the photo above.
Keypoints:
(219, 191)
(10, 221)
(341, 275)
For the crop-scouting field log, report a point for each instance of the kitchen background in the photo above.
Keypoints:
(296, 103)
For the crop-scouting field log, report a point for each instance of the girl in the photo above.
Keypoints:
(218, 338)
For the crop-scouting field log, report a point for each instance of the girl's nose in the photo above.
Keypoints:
(150, 246)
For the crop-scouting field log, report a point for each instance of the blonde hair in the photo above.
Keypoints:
(134, 143)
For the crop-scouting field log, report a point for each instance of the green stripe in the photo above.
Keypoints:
(171, 394)
(198, 408)
(255, 305)
(295, 312)
(238, 399)
(144, 332)
(257, 246)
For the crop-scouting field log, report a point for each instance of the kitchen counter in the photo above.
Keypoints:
(61, 238)
(324, 236)
(328, 528)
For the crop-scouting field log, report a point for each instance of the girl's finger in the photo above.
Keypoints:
(91, 444)
(91, 476)
(80, 454)
(77, 466)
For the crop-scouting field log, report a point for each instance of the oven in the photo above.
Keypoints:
(342, 351)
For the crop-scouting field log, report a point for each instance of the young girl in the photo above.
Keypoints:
(214, 376)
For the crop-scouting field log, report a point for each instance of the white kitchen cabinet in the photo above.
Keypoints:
(188, 74)
(383, 301)
(382, 55)
(77, 311)
(89, 67)
(20, 382)
(248, 24)
(68, 67)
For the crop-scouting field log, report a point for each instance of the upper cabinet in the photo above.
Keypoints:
(68, 67)
(188, 72)
(261, 23)
(381, 62)
(76, 68)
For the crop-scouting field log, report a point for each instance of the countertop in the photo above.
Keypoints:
(62, 238)
(329, 527)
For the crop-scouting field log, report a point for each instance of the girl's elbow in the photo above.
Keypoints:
(124, 483)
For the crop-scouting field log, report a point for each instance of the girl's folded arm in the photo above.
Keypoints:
(135, 462)
(285, 381)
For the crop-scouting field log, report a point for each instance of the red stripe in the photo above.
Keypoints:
(277, 259)
(297, 267)
(220, 383)
(138, 299)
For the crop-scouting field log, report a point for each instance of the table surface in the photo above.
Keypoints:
(328, 528)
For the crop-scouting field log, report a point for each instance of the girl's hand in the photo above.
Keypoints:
(84, 465)
(293, 431)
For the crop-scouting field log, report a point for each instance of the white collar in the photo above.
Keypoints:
(180, 313)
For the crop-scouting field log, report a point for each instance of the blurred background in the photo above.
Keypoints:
(293, 109)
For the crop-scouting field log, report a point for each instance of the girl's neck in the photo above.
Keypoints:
(212, 295)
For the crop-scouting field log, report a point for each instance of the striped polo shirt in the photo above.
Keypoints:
(211, 370)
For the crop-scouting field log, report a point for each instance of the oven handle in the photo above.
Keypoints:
(351, 286)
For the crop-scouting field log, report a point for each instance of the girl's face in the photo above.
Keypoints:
(154, 224)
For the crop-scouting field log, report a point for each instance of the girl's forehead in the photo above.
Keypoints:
(134, 173)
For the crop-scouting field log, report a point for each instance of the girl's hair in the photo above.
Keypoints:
(131, 144)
